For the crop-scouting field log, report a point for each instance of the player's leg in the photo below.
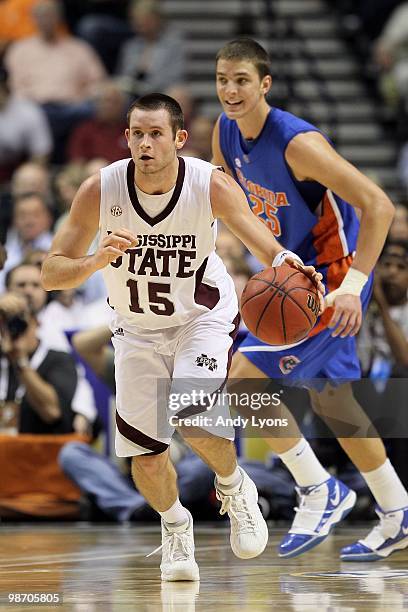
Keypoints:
(242, 369)
(201, 364)
(323, 500)
(138, 367)
(156, 479)
(338, 407)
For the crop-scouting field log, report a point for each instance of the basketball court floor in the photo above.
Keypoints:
(103, 567)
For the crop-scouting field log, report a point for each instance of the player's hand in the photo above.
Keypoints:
(112, 247)
(347, 316)
(314, 276)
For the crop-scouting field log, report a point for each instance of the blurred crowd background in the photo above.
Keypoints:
(68, 70)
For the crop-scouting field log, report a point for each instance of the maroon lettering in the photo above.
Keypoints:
(165, 256)
(148, 261)
(184, 263)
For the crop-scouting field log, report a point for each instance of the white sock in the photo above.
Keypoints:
(175, 514)
(385, 485)
(303, 464)
(230, 484)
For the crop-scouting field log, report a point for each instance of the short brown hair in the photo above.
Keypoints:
(157, 101)
(249, 50)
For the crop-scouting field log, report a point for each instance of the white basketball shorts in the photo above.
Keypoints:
(166, 375)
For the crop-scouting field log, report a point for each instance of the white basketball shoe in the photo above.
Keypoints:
(178, 562)
(249, 531)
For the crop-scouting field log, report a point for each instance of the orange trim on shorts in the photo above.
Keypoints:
(327, 241)
(336, 271)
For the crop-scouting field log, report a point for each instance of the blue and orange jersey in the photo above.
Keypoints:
(304, 216)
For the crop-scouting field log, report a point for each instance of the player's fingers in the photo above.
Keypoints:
(321, 303)
(349, 326)
(293, 263)
(118, 241)
(112, 253)
(357, 325)
(127, 234)
(342, 324)
(314, 276)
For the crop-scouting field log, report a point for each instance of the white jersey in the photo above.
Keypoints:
(173, 275)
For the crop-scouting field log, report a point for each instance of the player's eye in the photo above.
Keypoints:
(156, 133)
(221, 80)
(137, 133)
(242, 81)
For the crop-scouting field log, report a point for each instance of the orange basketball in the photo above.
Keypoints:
(280, 305)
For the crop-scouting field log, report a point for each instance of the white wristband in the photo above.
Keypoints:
(353, 284)
(279, 259)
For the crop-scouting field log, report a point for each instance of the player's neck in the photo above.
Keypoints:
(158, 182)
(251, 125)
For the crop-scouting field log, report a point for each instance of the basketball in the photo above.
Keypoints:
(280, 305)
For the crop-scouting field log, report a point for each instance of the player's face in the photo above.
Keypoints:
(151, 140)
(239, 87)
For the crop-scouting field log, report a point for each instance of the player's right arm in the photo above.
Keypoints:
(218, 158)
(68, 265)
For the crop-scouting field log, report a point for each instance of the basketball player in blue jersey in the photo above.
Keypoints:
(306, 194)
(174, 312)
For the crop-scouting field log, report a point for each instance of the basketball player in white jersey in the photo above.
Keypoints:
(174, 311)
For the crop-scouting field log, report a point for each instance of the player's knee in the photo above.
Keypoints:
(150, 465)
(331, 399)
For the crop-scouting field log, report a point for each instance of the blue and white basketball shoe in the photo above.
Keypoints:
(321, 507)
(389, 535)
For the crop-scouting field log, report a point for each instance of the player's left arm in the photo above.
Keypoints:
(229, 204)
(311, 157)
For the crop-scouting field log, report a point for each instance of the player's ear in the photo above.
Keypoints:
(127, 134)
(181, 137)
(266, 84)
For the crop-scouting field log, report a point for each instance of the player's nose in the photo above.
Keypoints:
(230, 88)
(145, 142)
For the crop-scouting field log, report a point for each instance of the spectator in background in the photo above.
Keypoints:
(383, 340)
(56, 70)
(391, 54)
(24, 130)
(31, 229)
(39, 382)
(182, 93)
(30, 177)
(200, 136)
(399, 226)
(228, 246)
(155, 58)
(54, 319)
(104, 134)
(66, 183)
